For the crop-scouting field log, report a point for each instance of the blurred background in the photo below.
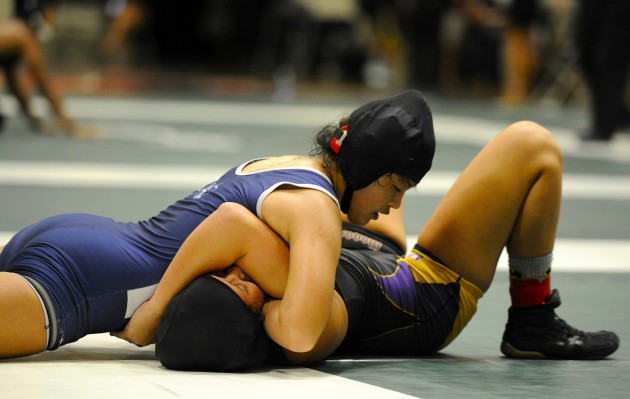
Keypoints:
(508, 53)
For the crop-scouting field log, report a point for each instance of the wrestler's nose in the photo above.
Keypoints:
(235, 273)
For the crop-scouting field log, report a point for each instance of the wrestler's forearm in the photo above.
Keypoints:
(209, 248)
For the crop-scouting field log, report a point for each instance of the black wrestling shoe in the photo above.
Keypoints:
(537, 333)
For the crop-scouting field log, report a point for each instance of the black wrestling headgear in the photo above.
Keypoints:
(389, 135)
(207, 327)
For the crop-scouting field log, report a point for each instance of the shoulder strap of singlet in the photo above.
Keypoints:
(325, 187)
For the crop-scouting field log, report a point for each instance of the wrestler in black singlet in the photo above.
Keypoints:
(388, 311)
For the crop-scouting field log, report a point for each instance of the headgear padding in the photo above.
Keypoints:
(208, 327)
(388, 135)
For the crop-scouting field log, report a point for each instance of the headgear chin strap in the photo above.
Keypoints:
(346, 199)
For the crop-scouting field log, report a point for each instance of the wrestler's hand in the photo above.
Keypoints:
(140, 330)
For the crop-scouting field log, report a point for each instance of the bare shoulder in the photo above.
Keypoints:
(295, 209)
(283, 161)
(305, 202)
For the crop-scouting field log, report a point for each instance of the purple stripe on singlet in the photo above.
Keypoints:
(399, 287)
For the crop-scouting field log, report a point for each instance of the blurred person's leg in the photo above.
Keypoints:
(125, 20)
(421, 26)
(520, 59)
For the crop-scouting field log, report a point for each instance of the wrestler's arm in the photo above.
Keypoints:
(218, 242)
(332, 337)
(310, 223)
(307, 220)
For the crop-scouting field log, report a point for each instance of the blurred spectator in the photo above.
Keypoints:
(18, 45)
(126, 18)
(319, 39)
(332, 48)
(603, 41)
(39, 15)
(197, 33)
(498, 46)
(420, 23)
(520, 62)
(383, 44)
(479, 49)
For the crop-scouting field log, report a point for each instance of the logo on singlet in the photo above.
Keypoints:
(210, 187)
(357, 237)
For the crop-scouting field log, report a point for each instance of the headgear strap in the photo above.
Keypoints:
(345, 200)
(335, 143)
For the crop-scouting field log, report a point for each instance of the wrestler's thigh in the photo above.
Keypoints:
(22, 321)
(472, 224)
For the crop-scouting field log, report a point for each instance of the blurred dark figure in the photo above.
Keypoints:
(19, 46)
(126, 18)
(412, 28)
(498, 47)
(420, 23)
(479, 56)
(191, 33)
(520, 58)
(314, 39)
(603, 42)
(38, 14)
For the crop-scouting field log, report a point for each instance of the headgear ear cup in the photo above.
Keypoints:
(207, 327)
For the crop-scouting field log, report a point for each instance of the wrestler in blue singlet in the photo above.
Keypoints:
(92, 272)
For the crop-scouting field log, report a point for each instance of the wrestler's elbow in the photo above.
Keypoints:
(329, 340)
(292, 333)
(301, 340)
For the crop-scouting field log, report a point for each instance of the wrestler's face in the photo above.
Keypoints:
(379, 197)
(241, 284)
